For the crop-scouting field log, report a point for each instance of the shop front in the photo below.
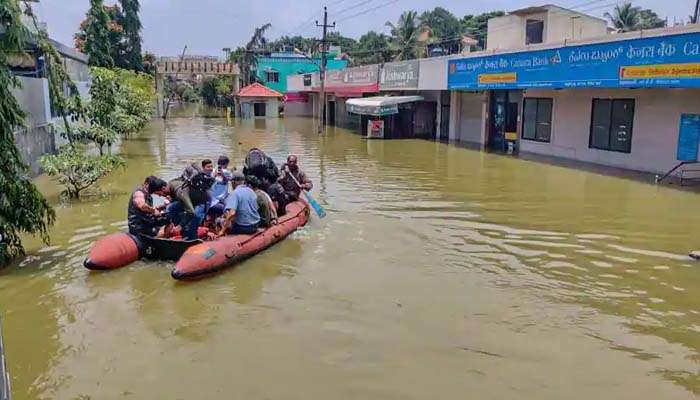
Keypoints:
(619, 101)
(393, 117)
(350, 83)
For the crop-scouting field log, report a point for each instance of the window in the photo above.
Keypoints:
(534, 31)
(537, 119)
(611, 125)
(272, 76)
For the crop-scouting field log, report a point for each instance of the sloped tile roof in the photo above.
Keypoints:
(258, 90)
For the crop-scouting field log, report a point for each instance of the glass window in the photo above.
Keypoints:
(534, 31)
(537, 119)
(272, 76)
(611, 125)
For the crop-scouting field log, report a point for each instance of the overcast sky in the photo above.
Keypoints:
(207, 26)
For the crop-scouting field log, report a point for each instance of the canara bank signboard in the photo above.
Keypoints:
(663, 61)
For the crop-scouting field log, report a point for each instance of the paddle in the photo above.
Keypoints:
(314, 204)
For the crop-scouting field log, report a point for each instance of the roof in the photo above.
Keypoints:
(258, 90)
(548, 8)
(379, 105)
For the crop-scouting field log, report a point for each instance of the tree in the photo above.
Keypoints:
(22, 207)
(306, 45)
(446, 28)
(76, 170)
(248, 60)
(132, 34)
(407, 36)
(97, 45)
(648, 19)
(476, 26)
(345, 43)
(625, 17)
(149, 63)
(372, 48)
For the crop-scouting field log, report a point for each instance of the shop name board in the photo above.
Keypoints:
(366, 75)
(664, 61)
(402, 75)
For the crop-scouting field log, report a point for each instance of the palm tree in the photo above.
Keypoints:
(625, 18)
(249, 61)
(408, 36)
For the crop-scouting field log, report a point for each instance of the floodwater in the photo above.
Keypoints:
(440, 272)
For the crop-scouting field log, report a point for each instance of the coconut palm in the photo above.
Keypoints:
(625, 17)
(248, 60)
(409, 36)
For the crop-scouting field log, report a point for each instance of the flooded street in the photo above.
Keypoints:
(440, 272)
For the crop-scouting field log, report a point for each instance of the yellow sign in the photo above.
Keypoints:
(691, 70)
(512, 136)
(506, 77)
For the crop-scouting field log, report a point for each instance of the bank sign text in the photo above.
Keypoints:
(664, 61)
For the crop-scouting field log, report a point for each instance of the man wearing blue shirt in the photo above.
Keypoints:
(241, 216)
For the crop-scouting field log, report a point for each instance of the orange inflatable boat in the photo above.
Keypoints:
(209, 257)
(120, 249)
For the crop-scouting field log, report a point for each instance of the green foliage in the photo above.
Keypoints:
(627, 18)
(372, 48)
(306, 45)
(132, 35)
(476, 26)
(97, 43)
(406, 36)
(22, 207)
(247, 60)
(217, 91)
(446, 27)
(76, 170)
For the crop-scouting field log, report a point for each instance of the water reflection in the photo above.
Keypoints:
(433, 259)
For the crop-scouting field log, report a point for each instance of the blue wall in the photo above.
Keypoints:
(290, 65)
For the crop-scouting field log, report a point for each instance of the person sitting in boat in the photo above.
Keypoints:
(191, 194)
(144, 218)
(208, 167)
(242, 215)
(293, 180)
(266, 207)
(220, 190)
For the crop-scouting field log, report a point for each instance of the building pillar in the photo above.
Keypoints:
(455, 114)
(438, 114)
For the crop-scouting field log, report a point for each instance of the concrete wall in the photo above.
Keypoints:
(33, 142)
(433, 74)
(271, 107)
(297, 109)
(506, 32)
(468, 117)
(33, 97)
(654, 133)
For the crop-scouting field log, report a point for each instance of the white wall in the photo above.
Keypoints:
(506, 32)
(564, 25)
(467, 117)
(433, 74)
(33, 97)
(297, 109)
(654, 132)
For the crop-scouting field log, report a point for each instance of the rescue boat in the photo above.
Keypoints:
(213, 256)
(120, 249)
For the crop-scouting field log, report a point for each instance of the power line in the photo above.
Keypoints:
(368, 10)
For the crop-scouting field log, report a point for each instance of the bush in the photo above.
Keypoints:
(76, 170)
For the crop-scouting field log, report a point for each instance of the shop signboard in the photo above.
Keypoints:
(375, 129)
(668, 61)
(400, 76)
(689, 138)
(363, 78)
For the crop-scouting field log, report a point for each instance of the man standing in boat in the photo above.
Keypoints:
(143, 217)
(293, 180)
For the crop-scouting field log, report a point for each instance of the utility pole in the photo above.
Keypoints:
(696, 15)
(322, 74)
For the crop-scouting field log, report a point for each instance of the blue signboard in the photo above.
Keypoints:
(689, 138)
(663, 61)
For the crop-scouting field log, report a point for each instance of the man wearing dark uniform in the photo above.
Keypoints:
(143, 218)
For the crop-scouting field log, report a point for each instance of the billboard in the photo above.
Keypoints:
(662, 61)
(399, 76)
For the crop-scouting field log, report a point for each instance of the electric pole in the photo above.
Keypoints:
(322, 74)
(696, 15)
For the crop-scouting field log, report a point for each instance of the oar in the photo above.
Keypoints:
(314, 204)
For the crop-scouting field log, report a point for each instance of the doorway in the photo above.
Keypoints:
(259, 109)
(331, 113)
(503, 118)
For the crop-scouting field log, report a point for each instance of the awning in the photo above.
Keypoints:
(379, 106)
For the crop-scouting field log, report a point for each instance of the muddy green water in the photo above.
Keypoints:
(440, 272)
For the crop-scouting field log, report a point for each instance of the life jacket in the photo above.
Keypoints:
(139, 221)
